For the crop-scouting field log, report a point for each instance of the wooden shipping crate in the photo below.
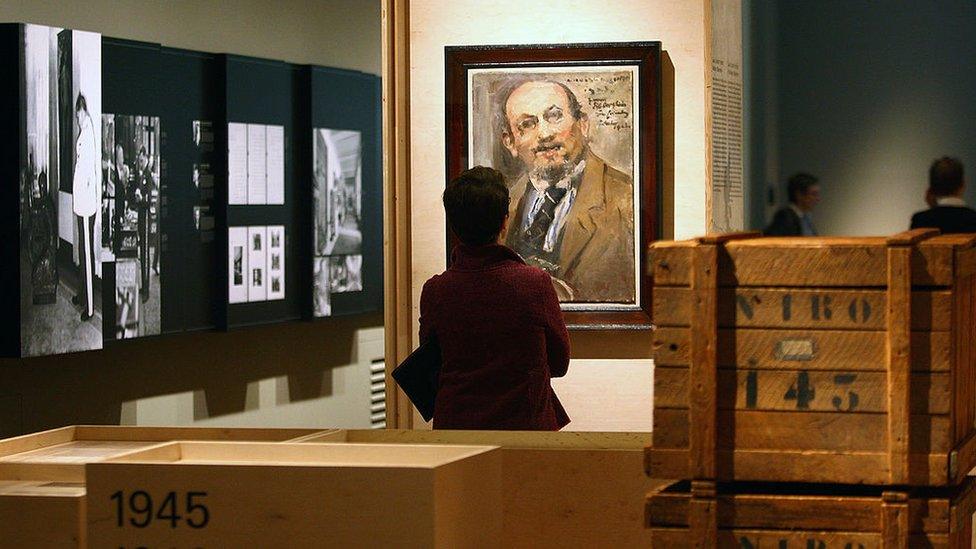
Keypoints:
(239, 494)
(559, 489)
(754, 516)
(839, 360)
(42, 475)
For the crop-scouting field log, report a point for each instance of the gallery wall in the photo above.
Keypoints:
(609, 383)
(864, 95)
(294, 374)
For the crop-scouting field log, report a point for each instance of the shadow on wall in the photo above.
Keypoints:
(47, 392)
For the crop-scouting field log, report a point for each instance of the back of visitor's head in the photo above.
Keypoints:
(476, 203)
(945, 176)
(800, 184)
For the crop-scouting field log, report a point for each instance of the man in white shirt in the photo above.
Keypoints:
(948, 212)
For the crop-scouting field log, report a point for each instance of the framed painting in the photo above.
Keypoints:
(576, 130)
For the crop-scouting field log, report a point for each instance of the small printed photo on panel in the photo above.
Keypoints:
(276, 262)
(203, 137)
(61, 191)
(202, 176)
(321, 295)
(257, 278)
(345, 273)
(238, 265)
(337, 189)
(256, 242)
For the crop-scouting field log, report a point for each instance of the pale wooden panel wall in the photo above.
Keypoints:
(680, 26)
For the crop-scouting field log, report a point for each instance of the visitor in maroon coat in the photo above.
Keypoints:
(497, 320)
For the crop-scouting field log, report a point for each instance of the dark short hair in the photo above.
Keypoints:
(502, 124)
(81, 104)
(799, 184)
(476, 203)
(945, 176)
(142, 151)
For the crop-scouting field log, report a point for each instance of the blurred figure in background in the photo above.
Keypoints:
(947, 210)
(794, 219)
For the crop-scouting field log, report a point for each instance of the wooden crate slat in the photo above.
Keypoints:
(826, 262)
(678, 538)
(809, 349)
(796, 308)
(811, 507)
(798, 431)
(899, 386)
(703, 408)
(801, 390)
(812, 466)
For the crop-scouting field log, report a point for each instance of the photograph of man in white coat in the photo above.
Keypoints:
(61, 241)
(85, 200)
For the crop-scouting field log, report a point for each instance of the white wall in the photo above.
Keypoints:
(339, 33)
(867, 94)
(679, 25)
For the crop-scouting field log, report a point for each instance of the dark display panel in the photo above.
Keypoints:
(141, 286)
(191, 97)
(347, 205)
(264, 133)
(215, 190)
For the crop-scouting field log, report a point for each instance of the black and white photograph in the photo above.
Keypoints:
(276, 262)
(61, 191)
(257, 260)
(203, 219)
(202, 177)
(321, 296)
(130, 175)
(237, 264)
(345, 274)
(203, 137)
(337, 192)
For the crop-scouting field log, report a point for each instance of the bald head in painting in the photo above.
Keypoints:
(572, 214)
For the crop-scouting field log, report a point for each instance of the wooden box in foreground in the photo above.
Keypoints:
(239, 494)
(811, 517)
(563, 489)
(42, 475)
(842, 360)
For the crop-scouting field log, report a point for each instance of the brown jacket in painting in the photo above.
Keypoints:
(596, 253)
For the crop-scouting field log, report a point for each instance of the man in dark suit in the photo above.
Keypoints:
(948, 212)
(794, 219)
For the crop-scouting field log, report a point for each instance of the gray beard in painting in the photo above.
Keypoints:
(554, 173)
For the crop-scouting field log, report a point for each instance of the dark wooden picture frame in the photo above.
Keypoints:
(646, 56)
